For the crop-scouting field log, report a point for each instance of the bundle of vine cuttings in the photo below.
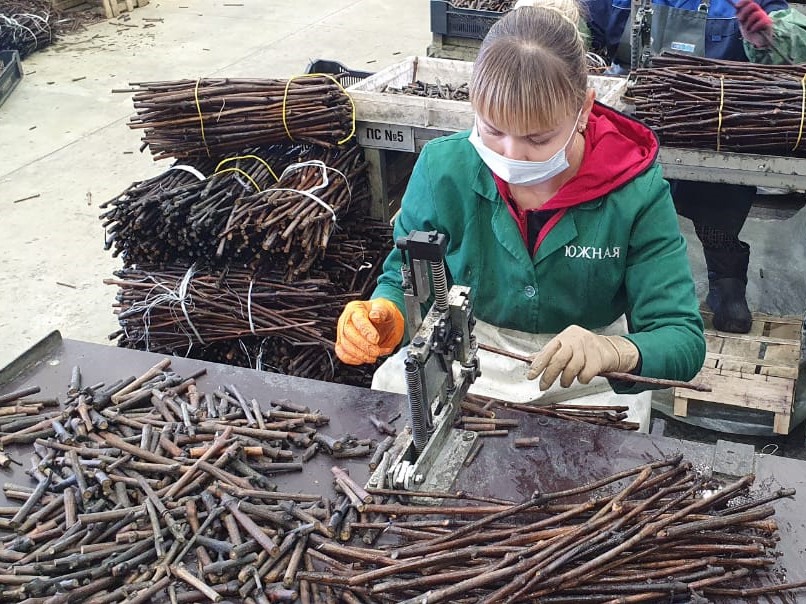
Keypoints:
(292, 221)
(264, 321)
(723, 105)
(176, 216)
(212, 117)
(28, 25)
(264, 208)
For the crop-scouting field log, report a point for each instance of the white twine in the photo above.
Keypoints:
(332, 364)
(14, 23)
(595, 61)
(170, 297)
(246, 352)
(249, 307)
(768, 449)
(189, 169)
(310, 193)
(259, 358)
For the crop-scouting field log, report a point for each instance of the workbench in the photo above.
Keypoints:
(569, 453)
(389, 167)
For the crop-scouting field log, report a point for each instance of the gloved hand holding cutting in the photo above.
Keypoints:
(754, 23)
(578, 353)
(368, 330)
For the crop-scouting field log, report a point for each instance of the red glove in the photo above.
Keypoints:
(754, 22)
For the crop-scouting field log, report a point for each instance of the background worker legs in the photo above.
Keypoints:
(718, 212)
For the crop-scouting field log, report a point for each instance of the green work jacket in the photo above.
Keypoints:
(619, 254)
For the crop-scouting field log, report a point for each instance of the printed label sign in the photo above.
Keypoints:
(386, 136)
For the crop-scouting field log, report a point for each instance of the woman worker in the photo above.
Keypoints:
(557, 217)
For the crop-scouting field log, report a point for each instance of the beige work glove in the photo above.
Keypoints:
(578, 353)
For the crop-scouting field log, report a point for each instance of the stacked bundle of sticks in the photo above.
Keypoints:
(26, 25)
(165, 218)
(247, 249)
(174, 307)
(264, 322)
(723, 105)
(239, 213)
(211, 117)
(292, 221)
(150, 485)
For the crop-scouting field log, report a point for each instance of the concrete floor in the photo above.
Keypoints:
(63, 134)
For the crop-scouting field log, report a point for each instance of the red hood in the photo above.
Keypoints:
(617, 149)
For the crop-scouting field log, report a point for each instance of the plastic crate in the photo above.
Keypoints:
(10, 73)
(454, 22)
(334, 67)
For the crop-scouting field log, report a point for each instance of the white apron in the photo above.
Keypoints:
(505, 378)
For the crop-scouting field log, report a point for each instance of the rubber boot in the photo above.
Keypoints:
(727, 284)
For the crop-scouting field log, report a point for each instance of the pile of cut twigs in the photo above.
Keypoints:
(492, 5)
(158, 487)
(652, 533)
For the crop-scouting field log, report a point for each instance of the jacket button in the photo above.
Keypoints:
(529, 291)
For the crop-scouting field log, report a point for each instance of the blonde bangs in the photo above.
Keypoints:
(518, 97)
(524, 82)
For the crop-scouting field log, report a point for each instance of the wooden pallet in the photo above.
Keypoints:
(112, 8)
(757, 370)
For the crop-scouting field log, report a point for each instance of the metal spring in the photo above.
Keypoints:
(440, 285)
(419, 424)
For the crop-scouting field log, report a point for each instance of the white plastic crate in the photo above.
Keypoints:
(373, 105)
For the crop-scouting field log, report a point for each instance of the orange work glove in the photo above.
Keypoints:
(367, 330)
(578, 353)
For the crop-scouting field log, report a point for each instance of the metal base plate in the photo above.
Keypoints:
(449, 461)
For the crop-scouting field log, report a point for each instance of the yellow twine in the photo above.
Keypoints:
(201, 119)
(721, 104)
(255, 157)
(239, 171)
(802, 111)
(337, 83)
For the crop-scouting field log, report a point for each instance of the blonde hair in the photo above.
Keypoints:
(567, 8)
(531, 73)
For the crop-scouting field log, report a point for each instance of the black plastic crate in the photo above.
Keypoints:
(448, 20)
(10, 73)
(352, 76)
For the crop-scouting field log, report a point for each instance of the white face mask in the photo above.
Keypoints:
(520, 172)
